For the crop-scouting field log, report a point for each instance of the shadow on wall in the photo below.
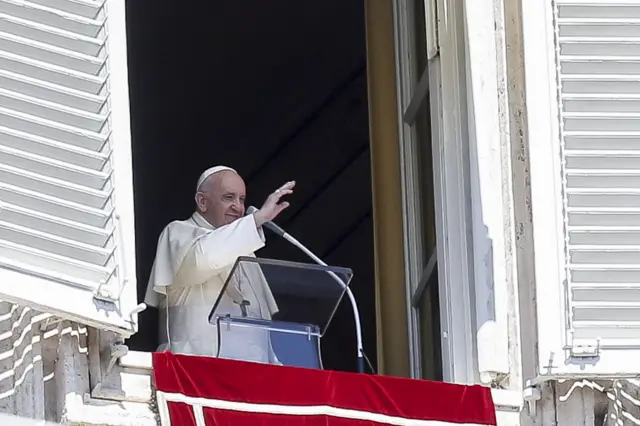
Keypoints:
(31, 358)
(21, 366)
(598, 403)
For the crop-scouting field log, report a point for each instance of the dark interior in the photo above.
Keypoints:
(278, 91)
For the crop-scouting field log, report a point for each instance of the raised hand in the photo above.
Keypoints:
(272, 207)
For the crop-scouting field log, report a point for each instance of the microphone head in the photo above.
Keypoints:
(251, 210)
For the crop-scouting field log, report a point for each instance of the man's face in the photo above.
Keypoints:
(221, 200)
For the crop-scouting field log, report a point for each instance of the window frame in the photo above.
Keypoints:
(491, 194)
(445, 75)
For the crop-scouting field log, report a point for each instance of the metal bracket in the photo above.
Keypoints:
(585, 349)
(104, 294)
(44, 325)
(117, 352)
(107, 295)
(531, 395)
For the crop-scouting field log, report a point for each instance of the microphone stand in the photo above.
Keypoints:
(354, 306)
(352, 299)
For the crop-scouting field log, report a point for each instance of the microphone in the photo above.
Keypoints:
(354, 306)
(269, 224)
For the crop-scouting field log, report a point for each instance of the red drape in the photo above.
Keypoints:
(243, 393)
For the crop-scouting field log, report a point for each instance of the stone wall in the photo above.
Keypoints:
(44, 374)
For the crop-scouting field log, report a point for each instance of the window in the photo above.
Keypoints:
(420, 246)
(582, 109)
(431, 108)
(66, 215)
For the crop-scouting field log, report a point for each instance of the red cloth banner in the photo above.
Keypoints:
(210, 391)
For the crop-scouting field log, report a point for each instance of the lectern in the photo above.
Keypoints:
(306, 296)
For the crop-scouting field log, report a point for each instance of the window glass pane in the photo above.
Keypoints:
(422, 126)
(428, 309)
(429, 316)
(421, 36)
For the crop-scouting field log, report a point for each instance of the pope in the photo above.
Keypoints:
(193, 260)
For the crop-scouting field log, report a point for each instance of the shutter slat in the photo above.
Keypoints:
(52, 266)
(56, 189)
(592, 85)
(598, 56)
(575, 141)
(86, 8)
(39, 70)
(598, 11)
(593, 217)
(585, 199)
(46, 91)
(51, 54)
(55, 169)
(626, 48)
(69, 116)
(577, 68)
(614, 237)
(52, 16)
(63, 190)
(612, 255)
(51, 35)
(627, 333)
(53, 149)
(53, 130)
(97, 236)
(64, 247)
(593, 104)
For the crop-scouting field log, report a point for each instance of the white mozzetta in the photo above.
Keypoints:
(583, 101)
(66, 211)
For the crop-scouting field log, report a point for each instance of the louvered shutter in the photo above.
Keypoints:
(594, 57)
(66, 210)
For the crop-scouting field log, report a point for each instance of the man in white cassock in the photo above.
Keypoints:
(193, 261)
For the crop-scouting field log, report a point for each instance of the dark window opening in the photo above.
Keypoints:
(277, 90)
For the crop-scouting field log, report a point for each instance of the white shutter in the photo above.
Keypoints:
(586, 183)
(66, 209)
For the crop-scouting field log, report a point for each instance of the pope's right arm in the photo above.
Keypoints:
(218, 249)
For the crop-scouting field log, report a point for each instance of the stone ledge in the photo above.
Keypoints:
(87, 411)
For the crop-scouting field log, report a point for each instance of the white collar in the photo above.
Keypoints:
(201, 221)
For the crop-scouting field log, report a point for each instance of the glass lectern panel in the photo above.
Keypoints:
(269, 342)
(302, 293)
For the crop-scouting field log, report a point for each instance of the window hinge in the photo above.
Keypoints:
(104, 296)
(585, 349)
(103, 293)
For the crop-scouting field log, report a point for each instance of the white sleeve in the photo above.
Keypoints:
(219, 249)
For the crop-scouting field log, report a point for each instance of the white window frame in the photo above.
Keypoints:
(543, 135)
(446, 77)
(490, 185)
(75, 303)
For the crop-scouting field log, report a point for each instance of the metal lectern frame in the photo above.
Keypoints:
(272, 326)
(336, 276)
(337, 270)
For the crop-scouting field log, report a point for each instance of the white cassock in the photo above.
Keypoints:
(193, 260)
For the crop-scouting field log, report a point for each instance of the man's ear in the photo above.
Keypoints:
(201, 202)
